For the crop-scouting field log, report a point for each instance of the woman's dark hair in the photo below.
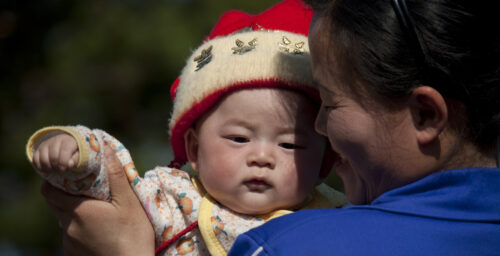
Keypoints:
(460, 45)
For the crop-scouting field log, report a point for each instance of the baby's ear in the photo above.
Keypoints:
(191, 145)
(327, 163)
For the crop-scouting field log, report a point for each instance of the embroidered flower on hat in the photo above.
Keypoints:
(286, 46)
(241, 48)
(204, 58)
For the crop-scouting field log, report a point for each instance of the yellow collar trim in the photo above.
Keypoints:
(322, 197)
(204, 221)
(205, 224)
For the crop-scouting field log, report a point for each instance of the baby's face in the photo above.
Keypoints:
(257, 151)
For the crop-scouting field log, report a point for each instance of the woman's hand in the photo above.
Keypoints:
(95, 227)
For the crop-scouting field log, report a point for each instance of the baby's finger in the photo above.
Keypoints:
(68, 149)
(36, 160)
(54, 154)
(74, 159)
(45, 160)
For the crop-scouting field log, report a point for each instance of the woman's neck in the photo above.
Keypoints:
(468, 155)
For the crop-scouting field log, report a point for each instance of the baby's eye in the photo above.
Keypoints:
(239, 139)
(290, 146)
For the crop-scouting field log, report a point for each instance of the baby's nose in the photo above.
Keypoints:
(262, 156)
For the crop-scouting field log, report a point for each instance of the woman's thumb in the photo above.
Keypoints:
(119, 187)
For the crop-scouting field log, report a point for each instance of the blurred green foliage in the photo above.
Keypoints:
(105, 64)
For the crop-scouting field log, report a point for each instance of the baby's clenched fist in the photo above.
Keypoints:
(58, 153)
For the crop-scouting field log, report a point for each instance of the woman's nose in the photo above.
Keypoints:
(262, 156)
(320, 123)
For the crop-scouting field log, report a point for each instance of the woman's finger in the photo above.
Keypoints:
(72, 248)
(59, 198)
(120, 189)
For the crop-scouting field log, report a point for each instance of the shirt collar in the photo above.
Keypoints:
(471, 194)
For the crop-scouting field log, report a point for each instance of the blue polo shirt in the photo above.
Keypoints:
(454, 212)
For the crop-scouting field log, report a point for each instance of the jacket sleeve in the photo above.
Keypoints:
(90, 177)
(167, 195)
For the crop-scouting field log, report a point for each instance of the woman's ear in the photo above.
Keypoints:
(429, 112)
(191, 145)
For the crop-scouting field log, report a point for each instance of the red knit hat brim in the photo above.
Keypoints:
(189, 118)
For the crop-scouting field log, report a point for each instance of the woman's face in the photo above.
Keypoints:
(372, 143)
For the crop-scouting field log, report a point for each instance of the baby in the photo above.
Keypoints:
(243, 118)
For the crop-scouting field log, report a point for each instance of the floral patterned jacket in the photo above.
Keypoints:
(173, 200)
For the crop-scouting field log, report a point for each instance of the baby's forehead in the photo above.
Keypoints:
(293, 100)
(283, 104)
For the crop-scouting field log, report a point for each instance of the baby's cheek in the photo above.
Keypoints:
(209, 180)
(216, 180)
(290, 182)
(293, 193)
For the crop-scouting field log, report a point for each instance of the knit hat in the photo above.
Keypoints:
(267, 50)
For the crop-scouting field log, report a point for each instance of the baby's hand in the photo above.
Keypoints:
(58, 153)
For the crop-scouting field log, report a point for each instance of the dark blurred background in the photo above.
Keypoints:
(104, 64)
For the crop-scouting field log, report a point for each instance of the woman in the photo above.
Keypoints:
(410, 104)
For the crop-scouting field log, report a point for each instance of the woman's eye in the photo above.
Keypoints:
(238, 139)
(328, 108)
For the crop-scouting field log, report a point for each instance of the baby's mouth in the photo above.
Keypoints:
(257, 185)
